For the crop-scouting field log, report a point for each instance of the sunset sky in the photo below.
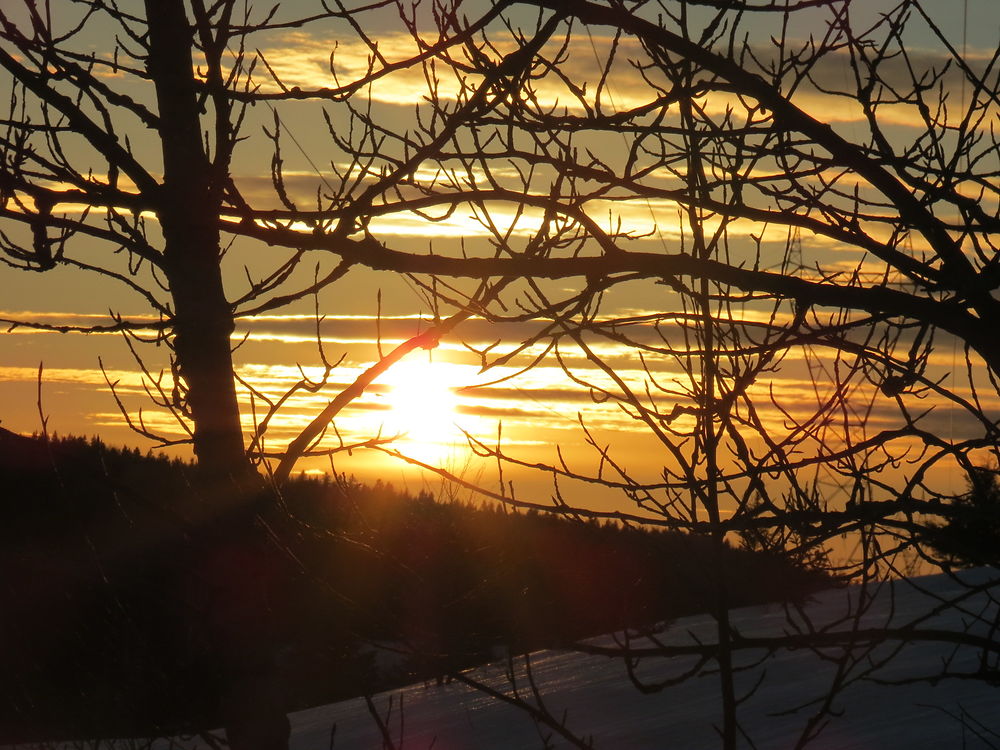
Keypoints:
(432, 396)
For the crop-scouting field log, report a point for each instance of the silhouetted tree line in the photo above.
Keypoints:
(119, 587)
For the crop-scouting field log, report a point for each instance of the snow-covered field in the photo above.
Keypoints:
(600, 702)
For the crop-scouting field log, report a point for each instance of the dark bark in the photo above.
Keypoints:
(188, 206)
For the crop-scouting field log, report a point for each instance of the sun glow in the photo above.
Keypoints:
(423, 408)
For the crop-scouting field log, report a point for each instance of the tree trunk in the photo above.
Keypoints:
(188, 207)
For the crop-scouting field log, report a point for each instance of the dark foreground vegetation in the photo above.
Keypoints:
(116, 571)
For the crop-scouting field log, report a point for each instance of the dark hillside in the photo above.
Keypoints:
(113, 570)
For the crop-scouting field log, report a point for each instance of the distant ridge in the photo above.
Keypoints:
(18, 451)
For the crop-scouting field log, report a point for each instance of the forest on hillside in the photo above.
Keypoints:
(114, 569)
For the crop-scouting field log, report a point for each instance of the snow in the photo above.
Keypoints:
(600, 701)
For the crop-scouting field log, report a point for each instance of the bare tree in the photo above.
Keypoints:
(793, 282)
(119, 162)
(779, 248)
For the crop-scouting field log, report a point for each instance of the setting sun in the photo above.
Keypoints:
(422, 407)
